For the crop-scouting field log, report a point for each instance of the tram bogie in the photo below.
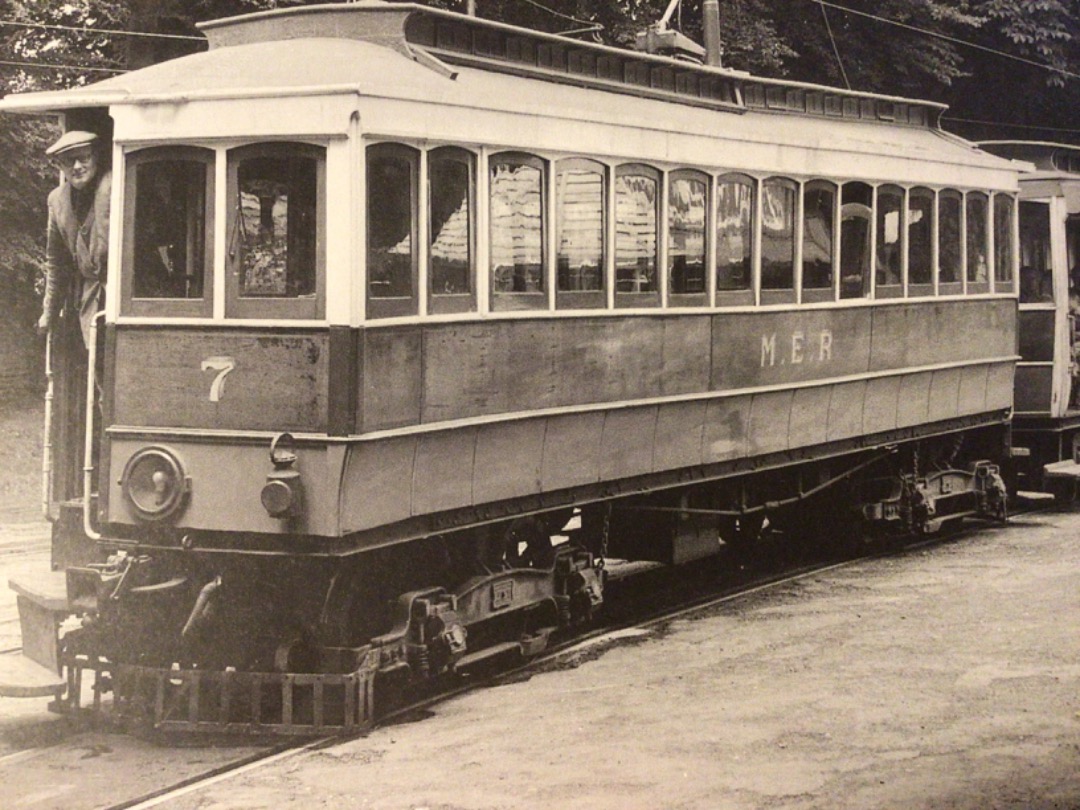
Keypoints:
(451, 323)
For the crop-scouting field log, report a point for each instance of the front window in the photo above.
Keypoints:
(391, 226)
(1036, 280)
(169, 240)
(855, 246)
(1004, 255)
(276, 230)
(950, 238)
(920, 241)
(450, 221)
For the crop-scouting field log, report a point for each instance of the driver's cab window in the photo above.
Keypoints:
(168, 226)
(276, 231)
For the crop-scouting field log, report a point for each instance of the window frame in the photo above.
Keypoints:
(1006, 283)
(396, 306)
(921, 289)
(523, 301)
(651, 299)
(779, 295)
(869, 216)
(951, 287)
(697, 299)
(886, 291)
(743, 297)
(306, 308)
(810, 295)
(972, 286)
(582, 299)
(449, 303)
(202, 307)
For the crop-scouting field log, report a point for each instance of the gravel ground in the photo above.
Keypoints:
(947, 678)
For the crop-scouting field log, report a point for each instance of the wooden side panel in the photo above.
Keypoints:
(509, 457)
(944, 394)
(924, 333)
(221, 380)
(972, 396)
(879, 409)
(809, 417)
(687, 364)
(773, 348)
(626, 447)
(914, 401)
(679, 430)
(727, 429)
(1034, 388)
(378, 483)
(608, 360)
(769, 421)
(392, 378)
(846, 410)
(443, 474)
(572, 451)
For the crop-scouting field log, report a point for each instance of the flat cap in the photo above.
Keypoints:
(71, 140)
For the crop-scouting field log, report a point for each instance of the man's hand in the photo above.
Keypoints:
(44, 323)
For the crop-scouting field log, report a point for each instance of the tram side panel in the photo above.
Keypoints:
(458, 416)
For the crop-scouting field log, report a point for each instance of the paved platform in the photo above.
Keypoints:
(947, 678)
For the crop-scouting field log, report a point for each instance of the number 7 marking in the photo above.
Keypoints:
(222, 365)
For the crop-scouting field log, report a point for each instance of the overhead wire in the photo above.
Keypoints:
(955, 40)
(835, 47)
(58, 66)
(89, 30)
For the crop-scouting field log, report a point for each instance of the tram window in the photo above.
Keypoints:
(734, 233)
(920, 234)
(276, 229)
(855, 247)
(391, 229)
(1036, 279)
(950, 239)
(819, 214)
(778, 198)
(451, 275)
(688, 194)
(1004, 254)
(517, 232)
(978, 210)
(579, 222)
(637, 219)
(168, 227)
(890, 245)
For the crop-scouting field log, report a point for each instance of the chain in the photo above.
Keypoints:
(604, 538)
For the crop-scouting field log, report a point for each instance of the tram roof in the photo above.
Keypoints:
(415, 53)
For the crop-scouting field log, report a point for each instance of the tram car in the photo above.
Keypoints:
(1046, 419)
(454, 312)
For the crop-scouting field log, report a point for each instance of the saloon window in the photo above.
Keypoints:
(978, 242)
(517, 232)
(1004, 251)
(688, 196)
(855, 246)
(734, 238)
(637, 202)
(950, 241)
(391, 230)
(168, 224)
(778, 198)
(920, 235)
(819, 215)
(451, 240)
(579, 220)
(890, 244)
(276, 230)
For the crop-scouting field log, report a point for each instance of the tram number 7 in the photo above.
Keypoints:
(222, 365)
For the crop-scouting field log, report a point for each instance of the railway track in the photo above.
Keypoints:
(638, 606)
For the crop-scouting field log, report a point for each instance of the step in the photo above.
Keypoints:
(22, 678)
